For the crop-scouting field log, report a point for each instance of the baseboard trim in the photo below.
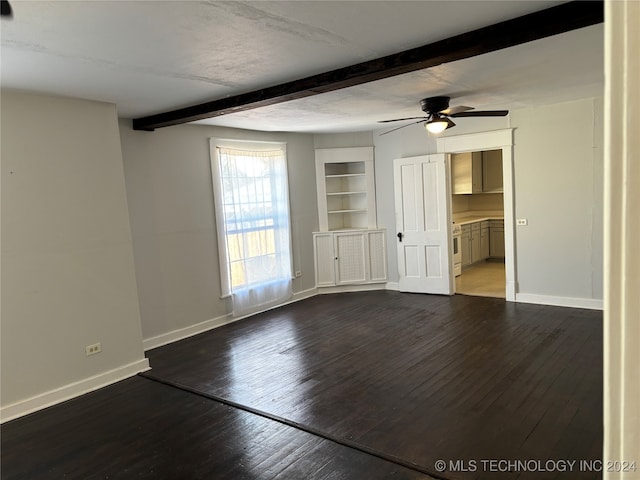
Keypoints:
(510, 291)
(395, 286)
(186, 332)
(352, 288)
(190, 331)
(72, 390)
(573, 302)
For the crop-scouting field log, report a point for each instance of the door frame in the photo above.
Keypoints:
(493, 140)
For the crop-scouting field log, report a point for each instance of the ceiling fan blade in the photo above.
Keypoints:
(454, 110)
(401, 119)
(5, 9)
(482, 113)
(407, 125)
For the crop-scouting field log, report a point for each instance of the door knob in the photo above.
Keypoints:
(400, 235)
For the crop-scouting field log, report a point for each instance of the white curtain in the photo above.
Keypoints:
(256, 224)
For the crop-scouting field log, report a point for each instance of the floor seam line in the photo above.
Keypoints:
(296, 425)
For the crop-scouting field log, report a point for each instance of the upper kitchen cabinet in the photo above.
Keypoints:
(492, 171)
(346, 188)
(477, 172)
(466, 172)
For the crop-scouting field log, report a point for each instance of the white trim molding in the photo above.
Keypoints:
(191, 330)
(475, 141)
(494, 139)
(72, 390)
(621, 409)
(573, 302)
(186, 332)
(366, 287)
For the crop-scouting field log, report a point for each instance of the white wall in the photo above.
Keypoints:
(558, 185)
(342, 140)
(168, 178)
(68, 276)
(558, 188)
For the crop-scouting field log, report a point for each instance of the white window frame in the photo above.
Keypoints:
(255, 145)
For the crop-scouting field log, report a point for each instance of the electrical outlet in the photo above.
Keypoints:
(522, 221)
(93, 349)
(298, 273)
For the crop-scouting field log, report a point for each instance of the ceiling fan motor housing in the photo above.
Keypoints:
(434, 104)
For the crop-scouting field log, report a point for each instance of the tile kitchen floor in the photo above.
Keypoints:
(485, 279)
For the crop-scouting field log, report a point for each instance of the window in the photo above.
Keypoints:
(252, 215)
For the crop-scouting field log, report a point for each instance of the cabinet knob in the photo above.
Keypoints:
(400, 235)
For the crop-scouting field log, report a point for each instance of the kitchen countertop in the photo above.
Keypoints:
(464, 218)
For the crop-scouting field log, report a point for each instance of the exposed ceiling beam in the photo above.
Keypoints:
(545, 23)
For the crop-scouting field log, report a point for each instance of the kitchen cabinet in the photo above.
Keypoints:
(475, 242)
(465, 238)
(346, 188)
(484, 240)
(496, 239)
(466, 172)
(350, 257)
(476, 172)
(492, 171)
(476, 252)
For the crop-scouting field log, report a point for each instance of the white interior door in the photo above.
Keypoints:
(421, 190)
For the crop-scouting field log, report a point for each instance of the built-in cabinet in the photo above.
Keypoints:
(466, 172)
(465, 238)
(482, 240)
(349, 249)
(496, 240)
(346, 188)
(492, 171)
(350, 257)
(476, 172)
(475, 242)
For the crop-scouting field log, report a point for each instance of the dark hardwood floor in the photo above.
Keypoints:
(411, 379)
(414, 378)
(139, 428)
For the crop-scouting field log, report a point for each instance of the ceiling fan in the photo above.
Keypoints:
(439, 113)
(5, 9)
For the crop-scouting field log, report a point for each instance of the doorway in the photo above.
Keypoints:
(477, 276)
(477, 202)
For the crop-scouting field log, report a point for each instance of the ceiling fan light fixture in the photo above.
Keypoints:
(438, 124)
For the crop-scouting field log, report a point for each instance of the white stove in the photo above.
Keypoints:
(456, 231)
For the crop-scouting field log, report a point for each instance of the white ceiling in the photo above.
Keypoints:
(151, 56)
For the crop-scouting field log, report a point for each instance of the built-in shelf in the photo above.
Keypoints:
(345, 193)
(347, 211)
(343, 175)
(346, 190)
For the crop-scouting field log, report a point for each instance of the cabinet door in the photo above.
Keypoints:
(484, 243)
(466, 173)
(476, 172)
(351, 262)
(377, 256)
(492, 171)
(466, 248)
(324, 259)
(496, 242)
(476, 250)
